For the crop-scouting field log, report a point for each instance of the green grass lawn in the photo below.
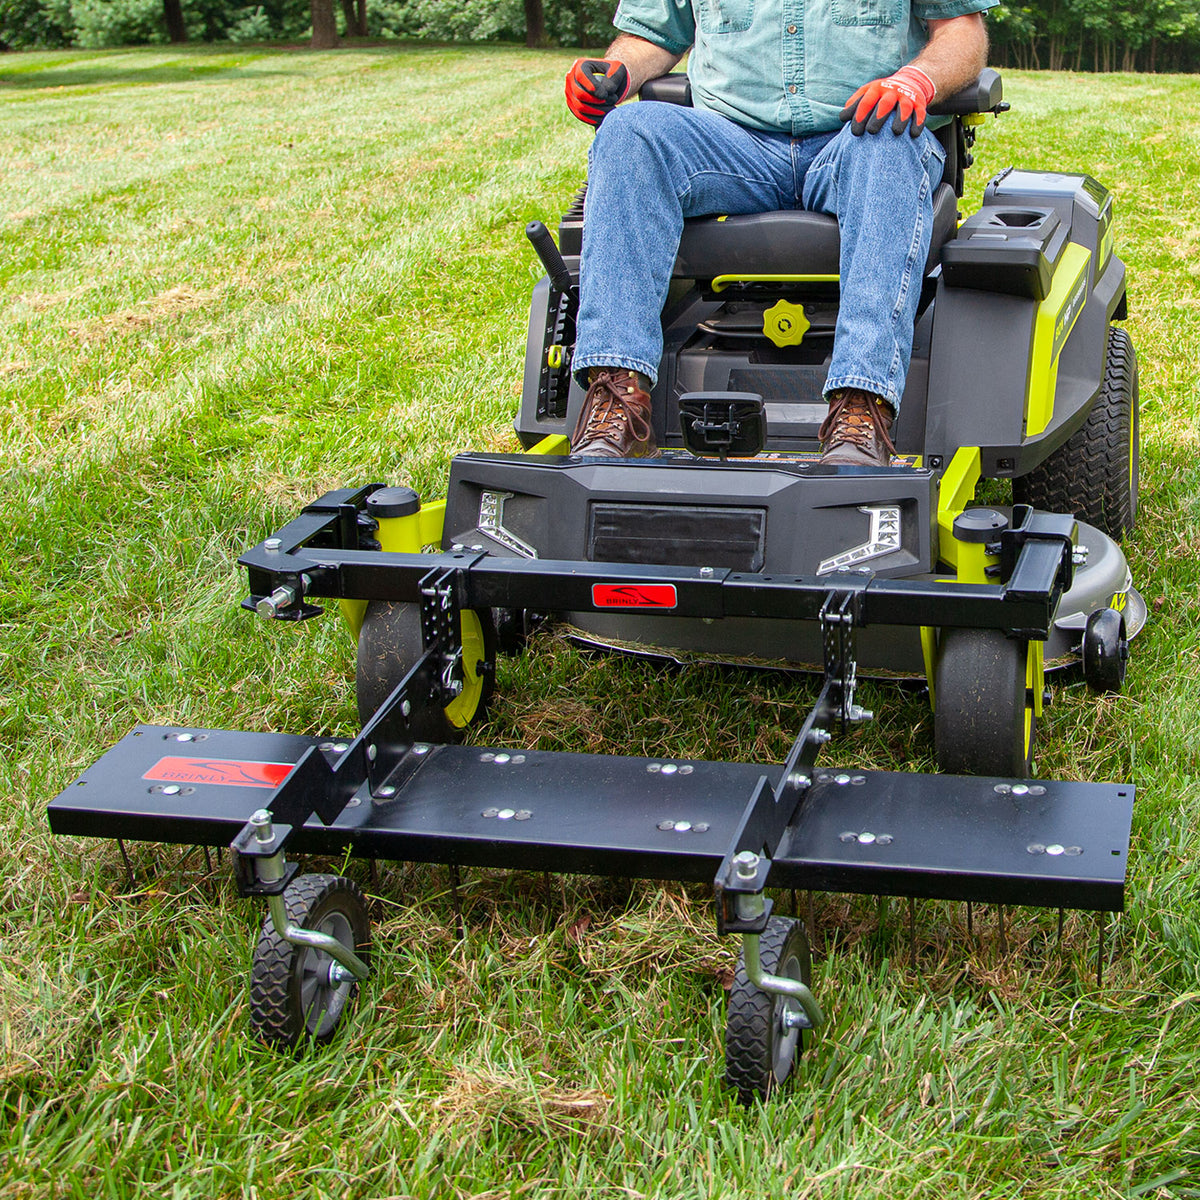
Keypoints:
(234, 278)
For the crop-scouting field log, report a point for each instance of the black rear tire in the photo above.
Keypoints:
(291, 995)
(760, 1049)
(983, 717)
(389, 645)
(1094, 474)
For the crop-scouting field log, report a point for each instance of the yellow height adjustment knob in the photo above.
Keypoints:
(785, 324)
(554, 357)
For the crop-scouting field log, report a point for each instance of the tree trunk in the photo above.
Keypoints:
(535, 23)
(324, 25)
(355, 14)
(173, 15)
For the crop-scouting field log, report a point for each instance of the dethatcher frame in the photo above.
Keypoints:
(392, 793)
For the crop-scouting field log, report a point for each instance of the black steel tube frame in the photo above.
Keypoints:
(318, 554)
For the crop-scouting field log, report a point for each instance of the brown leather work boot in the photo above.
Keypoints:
(856, 431)
(615, 419)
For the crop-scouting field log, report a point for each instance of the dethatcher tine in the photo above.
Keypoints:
(735, 545)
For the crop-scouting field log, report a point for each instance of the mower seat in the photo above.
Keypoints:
(788, 242)
(792, 242)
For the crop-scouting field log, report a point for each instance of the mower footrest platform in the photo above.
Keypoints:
(945, 837)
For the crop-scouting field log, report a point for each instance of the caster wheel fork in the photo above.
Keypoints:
(770, 1006)
(312, 952)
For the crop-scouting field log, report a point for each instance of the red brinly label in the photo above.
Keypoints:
(228, 771)
(633, 595)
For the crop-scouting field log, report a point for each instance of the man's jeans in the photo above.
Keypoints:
(654, 164)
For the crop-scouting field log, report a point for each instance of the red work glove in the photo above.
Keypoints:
(909, 92)
(595, 87)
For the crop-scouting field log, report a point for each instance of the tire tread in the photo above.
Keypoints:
(1094, 473)
(748, 1022)
(273, 1016)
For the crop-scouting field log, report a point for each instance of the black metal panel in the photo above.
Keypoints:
(123, 796)
(950, 837)
(583, 813)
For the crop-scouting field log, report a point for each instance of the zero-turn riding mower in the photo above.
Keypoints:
(736, 544)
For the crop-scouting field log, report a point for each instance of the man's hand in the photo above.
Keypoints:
(595, 86)
(908, 92)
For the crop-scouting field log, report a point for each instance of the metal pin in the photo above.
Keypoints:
(128, 864)
(1003, 936)
(456, 900)
(970, 921)
(1100, 951)
(912, 932)
(207, 862)
(1060, 928)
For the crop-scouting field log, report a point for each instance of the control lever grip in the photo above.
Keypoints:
(546, 250)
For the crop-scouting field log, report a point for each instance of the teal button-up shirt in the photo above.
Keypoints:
(787, 65)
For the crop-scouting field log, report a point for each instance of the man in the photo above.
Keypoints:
(815, 104)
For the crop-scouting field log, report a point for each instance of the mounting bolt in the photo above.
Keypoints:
(339, 975)
(273, 545)
(798, 780)
(858, 713)
(747, 864)
(264, 832)
(1079, 555)
(706, 572)
(372, 752)
(386, 791)
(819, 737)
(271, 606)
(794, 1018)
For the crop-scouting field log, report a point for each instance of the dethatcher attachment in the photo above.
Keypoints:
(402, 789)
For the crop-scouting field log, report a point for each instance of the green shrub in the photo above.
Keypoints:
(252, 26)
(25, 24)
(100, 23)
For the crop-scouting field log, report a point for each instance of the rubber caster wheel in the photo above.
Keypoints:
(983, 719)
(1105, 651)
(762, 1035)
(389, 645)
(294, 994)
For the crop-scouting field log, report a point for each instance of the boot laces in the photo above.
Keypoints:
(608, 408)
(856, 418)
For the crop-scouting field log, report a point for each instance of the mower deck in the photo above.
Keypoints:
(874, 832)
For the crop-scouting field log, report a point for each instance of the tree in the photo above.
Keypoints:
(324, 25)
(355, 14)
(535, 23)
(173, 15)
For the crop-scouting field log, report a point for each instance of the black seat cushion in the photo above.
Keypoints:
(791, 242)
